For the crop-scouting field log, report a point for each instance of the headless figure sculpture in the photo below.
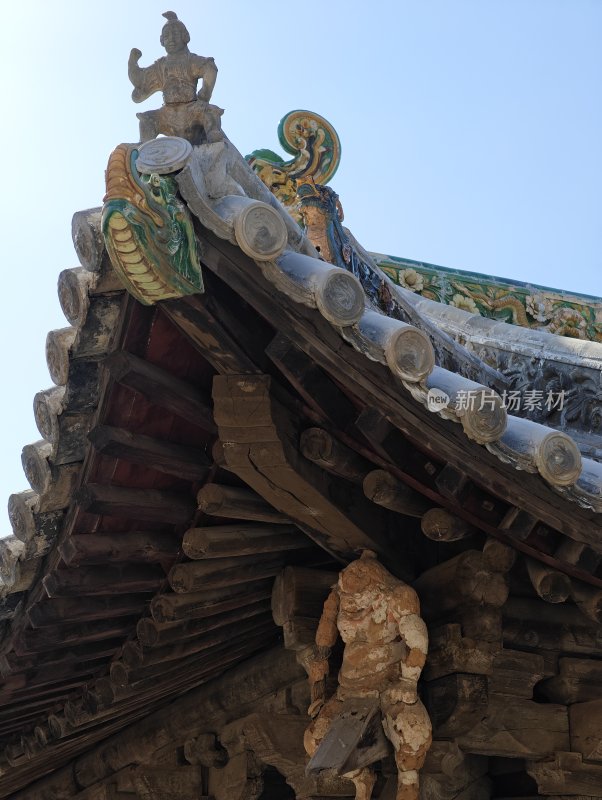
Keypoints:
(386, 643)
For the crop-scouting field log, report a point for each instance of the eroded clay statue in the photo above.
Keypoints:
(186, 112)
(386, 643)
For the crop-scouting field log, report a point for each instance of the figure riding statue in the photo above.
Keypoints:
(185, 112)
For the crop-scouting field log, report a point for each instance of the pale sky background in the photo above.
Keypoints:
(471, 134)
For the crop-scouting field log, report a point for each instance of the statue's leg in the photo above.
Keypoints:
(408, 728)
(148, 127)
(364, 780)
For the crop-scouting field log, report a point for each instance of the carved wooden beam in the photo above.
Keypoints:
(258, 438)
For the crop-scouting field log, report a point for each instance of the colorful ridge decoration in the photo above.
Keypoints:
(527, 305)
(316, 148)
(148, 231)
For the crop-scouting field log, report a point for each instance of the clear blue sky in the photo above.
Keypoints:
(471, 135)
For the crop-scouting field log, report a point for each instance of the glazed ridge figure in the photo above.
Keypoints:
(386, 643)
(186, 112)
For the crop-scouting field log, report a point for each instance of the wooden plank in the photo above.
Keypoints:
(188, 463)
(161, 388)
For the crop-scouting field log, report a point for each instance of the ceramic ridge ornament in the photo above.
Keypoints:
(185, 112)
(148, 231)
(316, 148)
(163, 155)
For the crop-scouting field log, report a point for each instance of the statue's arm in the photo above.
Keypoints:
(413, 631)
(317, 663)
(146, 80)
(207, 72)
(405, 608)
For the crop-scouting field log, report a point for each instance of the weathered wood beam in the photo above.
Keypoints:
(236, 503)
(135, 669)
(258, 437)
(73, 654)
(460, 580)
(518, 729)
(316, 388)
(456, 703)
(440, 525)
(588, 600)
(161, 388)
(98, 580)
(385, 490)
(104, 548)
(550, 585)
(188, 463)
(323, 449)
(534, 624)
(499, 557)
(215, 573)
(567, 774)
(166, 608)
(578, 680)
(67, 609)
(222, 541)
(208, 336)
(54, 636)
(156, 639)
(149, 505)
